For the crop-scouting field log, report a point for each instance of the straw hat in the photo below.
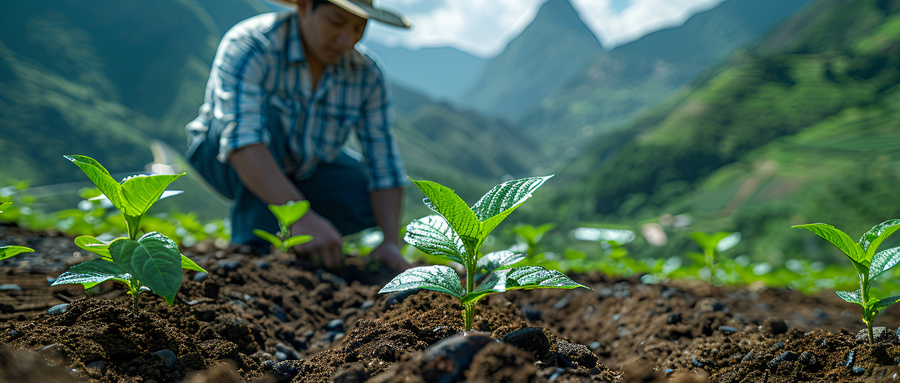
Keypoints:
(366, 10)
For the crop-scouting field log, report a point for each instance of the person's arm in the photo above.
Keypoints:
(260, 173)
(386, 205)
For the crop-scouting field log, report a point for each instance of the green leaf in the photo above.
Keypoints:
(434, 236)
(536, 277)
(877, 234)
(843, 242)
(93, 272)
(502, 199)
(708, 242)
(851, 296)
(437, 278)
(499, 260)
(100, 177)
(883, 261)
(154, 260)
(271, 238)
(887, 302)
(94, 245)
(11, 251)
(494, 283)
(290, 212)
(189, 264)
(445, 202)
(141, 191)
(4, 205)
(297, 240)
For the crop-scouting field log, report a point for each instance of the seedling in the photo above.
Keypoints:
(712, 245)
(458, 232)
(11, 251)
(149, 263)
(287, 215)
(868, 263)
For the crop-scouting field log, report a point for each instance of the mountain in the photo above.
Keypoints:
(801, 128)
(118, 81)
(536, 63)
(615, 87)
(440, 73)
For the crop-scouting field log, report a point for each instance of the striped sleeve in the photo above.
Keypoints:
(237, 77)
(376, 135)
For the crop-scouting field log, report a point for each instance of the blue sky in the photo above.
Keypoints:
(484, 27)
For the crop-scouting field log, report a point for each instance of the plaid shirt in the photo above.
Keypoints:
(260, 75)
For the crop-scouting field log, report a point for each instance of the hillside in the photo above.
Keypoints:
(616, 87)
(553, 47)
(800, 129)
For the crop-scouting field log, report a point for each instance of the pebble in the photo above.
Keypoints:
(262, 264)
(367, 304)
(58, 309)
(594, 346)
(283, 371)
(728, 329)
(200, 276)
(286, 352)
(772, 327)
(459, 349)
(849, 361)
(279, 312)
(673, 319)
(878, 333)
(96, 365)
(786, 356)
(10, 287)
(696, 363)
(229, 264)
(808, 358)
(561, 303)
(168, 357)
(335, 325)
(858, 370)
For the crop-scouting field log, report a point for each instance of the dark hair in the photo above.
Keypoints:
(316, 3)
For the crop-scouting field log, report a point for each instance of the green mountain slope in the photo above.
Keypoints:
(613, 89)
(554, 46)
(800, 129)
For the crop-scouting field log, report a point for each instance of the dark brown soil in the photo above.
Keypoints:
(276, 319)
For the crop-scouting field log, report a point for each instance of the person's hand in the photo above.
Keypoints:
(389, 254)
(326, 243)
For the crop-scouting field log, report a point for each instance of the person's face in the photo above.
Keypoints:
(328, 32)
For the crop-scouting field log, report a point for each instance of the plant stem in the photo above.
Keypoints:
(468, 315)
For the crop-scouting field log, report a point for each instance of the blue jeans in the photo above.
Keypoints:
(337, 191)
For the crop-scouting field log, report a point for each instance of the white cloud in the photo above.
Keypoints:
(484, 27)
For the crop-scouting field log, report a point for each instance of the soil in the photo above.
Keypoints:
(275, 318)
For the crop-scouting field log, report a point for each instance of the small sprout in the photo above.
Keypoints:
(287, 215)
(151, 262)
(712, 245)
(868, 263)
(457, 233)
(11, 251)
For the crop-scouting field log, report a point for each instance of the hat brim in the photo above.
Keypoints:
(365, 11)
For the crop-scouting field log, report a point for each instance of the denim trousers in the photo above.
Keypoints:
(336, 190)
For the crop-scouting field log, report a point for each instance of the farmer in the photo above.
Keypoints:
(285, 91)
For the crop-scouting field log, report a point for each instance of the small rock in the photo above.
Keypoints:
(531, 339)
(286, 352)
(728, 329)
(200, 276)
(279, 313)
(262, 264)
(229, 264)
(616, 317)
(561, 303)
(280, 356)
(96, 365)
(10, 287)
(786, 356)
(168, 357)
(878, 333)
(808, 358)
(772, 327)
(58, 309)
(696, 363)
(284, 371)
(577, 353)
(858, 370)
(850, 356)
(335, 325)
(459, 350)
(747, 357)
(673, 318)
(367, 305)
(594, 346)
(667, 293)
(708, 305)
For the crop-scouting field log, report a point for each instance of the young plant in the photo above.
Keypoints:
(868, 263)
(457, 234)
(286, 214)
(712, 245)
(11, 251)
(151, 262)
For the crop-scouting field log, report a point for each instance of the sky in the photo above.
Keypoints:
(484, 27)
